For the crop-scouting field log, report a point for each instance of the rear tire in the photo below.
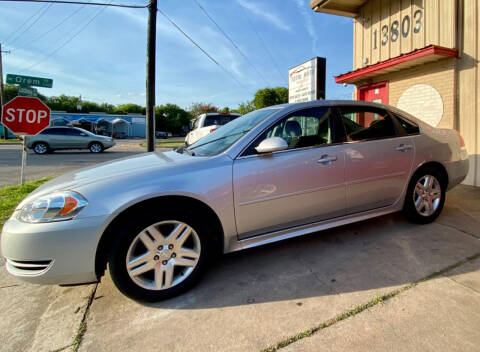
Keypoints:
(148, 262)
(41, 148)
(425, 196)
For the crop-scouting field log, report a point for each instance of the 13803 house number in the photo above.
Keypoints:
(396, 29)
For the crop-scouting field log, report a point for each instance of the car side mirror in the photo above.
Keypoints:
(272, 144)
(83, 134)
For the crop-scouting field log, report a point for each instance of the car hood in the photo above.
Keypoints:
(130, 166)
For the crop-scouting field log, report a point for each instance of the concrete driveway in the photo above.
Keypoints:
(382, 284)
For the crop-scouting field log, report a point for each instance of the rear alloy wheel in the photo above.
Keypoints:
(96, 147)
(159, 257)
(40, 148)
(425, 197)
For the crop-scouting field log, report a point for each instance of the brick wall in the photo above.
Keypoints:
(439, 75)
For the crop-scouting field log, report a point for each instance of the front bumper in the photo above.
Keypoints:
(52, 253)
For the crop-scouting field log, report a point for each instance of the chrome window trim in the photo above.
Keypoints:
(264, 155)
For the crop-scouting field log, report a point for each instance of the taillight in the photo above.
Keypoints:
(462, 142)
(213, 129)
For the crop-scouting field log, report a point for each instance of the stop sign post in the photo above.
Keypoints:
(25, 116)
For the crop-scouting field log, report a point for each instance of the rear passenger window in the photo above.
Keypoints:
(55, 131)
(367, 123)
(408, 126)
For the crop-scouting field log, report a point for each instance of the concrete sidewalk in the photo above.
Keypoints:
(442, 314)
(256, 299)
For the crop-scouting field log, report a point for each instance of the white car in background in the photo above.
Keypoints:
(207, 123)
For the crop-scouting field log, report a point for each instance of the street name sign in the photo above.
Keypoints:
(29, 81)
(27, 92)
(25, 116)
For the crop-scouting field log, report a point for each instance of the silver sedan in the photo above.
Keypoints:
(158, 219)
(61, 138)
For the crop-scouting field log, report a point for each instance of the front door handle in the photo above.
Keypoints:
(326, 159)
(404, 147)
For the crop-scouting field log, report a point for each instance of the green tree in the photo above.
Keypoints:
(225, 110)
(171, 118)
(11, 91)
(129, 108)
(270, 96)
(201, 108)
(245, 108)
(282, 94)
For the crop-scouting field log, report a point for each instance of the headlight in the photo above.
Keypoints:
(53, 207)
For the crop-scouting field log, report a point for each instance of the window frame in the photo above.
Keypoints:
(337, 129)
(57, 131)
(396, 117)
(399, 132)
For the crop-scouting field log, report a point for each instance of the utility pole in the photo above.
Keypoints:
(2, 91)
(150, 82)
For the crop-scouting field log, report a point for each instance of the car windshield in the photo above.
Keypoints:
(221, 139)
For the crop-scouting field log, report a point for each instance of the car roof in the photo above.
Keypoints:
(221, 114)
(296, 106)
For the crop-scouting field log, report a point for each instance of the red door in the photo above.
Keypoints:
(376, 93)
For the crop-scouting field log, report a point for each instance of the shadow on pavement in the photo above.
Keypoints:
(379, 253)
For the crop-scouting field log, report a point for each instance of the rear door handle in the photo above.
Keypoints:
(326, 159)
(404, 147)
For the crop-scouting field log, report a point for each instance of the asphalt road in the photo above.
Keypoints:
(56, 163)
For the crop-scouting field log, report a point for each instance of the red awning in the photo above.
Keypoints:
(417, 57)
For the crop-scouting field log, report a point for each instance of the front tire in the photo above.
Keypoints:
(425, 196)
(96, 147)
(40, 148)
(160, 255)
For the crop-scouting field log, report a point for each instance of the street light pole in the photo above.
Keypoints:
(150, 82)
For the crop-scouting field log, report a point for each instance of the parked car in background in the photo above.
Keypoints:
(158, 219)
(161, 134)
(57, 138)
(207, 123)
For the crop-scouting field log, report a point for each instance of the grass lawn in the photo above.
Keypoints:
(174, 142)
(10, 196)
(16, 141)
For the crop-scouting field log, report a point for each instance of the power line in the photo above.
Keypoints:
(39, 37)
(203, 51)
(70, 39)
(81, 3)
(264, 45)
(232, 42)
(31, 24)
(14, 33)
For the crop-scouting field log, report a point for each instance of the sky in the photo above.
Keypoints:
(99, 52)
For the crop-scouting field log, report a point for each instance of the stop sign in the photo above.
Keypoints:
(25, 115)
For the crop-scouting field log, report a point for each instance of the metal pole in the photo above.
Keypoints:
(151, 47)
(24, 159)
(2, 94)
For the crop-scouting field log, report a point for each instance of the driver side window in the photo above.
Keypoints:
(301, 129)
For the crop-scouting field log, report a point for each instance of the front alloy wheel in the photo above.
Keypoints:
(96, 148)
(159, 255)
(163, 255)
